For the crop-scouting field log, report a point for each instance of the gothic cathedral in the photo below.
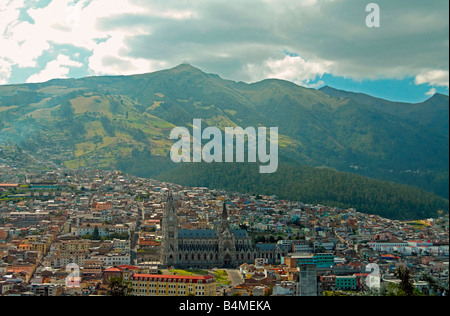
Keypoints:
(221, 248)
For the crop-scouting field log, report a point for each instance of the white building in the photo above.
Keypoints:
(103, 230)
(111, 260)
(386, 246)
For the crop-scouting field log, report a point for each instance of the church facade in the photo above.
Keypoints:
(221, 248)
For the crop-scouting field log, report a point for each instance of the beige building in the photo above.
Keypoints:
(172, 285)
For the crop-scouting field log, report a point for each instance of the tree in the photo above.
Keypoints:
(434, 284)
(243, 226)
(96, 234)
(66, 111)
(118, 287)
(406, 280)
(260, 239)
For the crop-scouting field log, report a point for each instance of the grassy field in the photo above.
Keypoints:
(189, 272)
(221, 276)
(419, 224)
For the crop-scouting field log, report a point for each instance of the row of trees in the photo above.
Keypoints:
(96, 235)
(406, 285)
(315, 186)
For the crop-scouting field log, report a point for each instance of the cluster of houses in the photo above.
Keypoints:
(97, 224)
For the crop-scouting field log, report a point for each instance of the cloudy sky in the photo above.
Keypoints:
(309, 42)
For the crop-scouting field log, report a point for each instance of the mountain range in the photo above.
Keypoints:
(125, 122)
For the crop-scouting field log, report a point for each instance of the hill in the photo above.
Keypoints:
(315, 186)
(107, 122)
(433, 113)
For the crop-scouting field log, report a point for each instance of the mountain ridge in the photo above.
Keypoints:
(330, 90)
(101, 121)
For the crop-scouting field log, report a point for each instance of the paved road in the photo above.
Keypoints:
(235, 277)
(135, 238)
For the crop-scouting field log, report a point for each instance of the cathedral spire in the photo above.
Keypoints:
(224, 211)
(170, 205)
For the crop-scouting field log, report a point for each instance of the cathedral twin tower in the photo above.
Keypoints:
(206, 248)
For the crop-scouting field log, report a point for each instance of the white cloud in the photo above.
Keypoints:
(56, 69)
(62, 22)
(11, 48)
(313, 85)
(9, 13)
(291, 68)
(5, 71)
(437, 78)
(431, 92)
(242, 40)
(111, 58)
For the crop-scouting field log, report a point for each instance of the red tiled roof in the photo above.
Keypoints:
(113, 269)
(171, 278)
(123, 267)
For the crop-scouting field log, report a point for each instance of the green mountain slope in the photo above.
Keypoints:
(426, 119)
(107, 122)
(314, 185)
(433, 113)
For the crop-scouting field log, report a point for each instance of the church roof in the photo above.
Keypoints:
(240, 233)
(267, 247)
(207, 233)
(197, 234)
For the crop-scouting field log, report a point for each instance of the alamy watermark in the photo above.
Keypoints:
(214, 151)
(373, 280)
(373, 19)
(73, 279)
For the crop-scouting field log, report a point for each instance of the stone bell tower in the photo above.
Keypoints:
(169, 247)
(227, 245)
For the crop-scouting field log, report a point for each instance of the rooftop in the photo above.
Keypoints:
(171, 278)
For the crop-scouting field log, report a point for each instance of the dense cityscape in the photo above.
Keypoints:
(97, 232)
(213, 155)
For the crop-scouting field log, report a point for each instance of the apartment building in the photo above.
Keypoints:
(172, 285)
(103, 230)
(113, 259)
(346, 283)
(321, 260)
